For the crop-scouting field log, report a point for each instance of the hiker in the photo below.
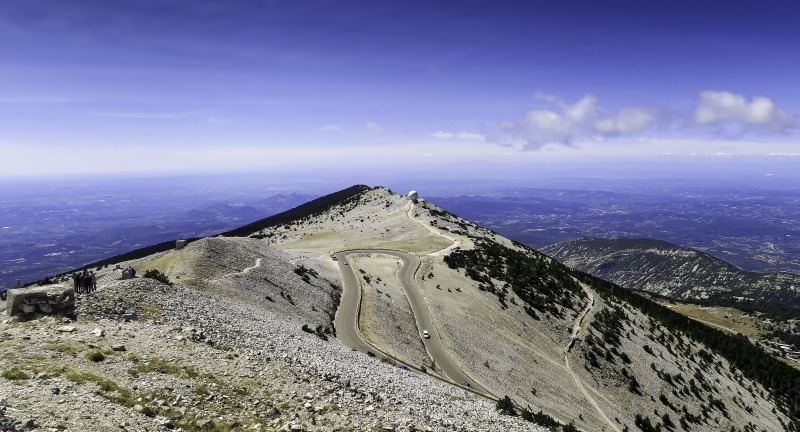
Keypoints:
(93, 281)
(84, 282)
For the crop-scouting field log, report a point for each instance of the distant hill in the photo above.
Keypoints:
(669, 270)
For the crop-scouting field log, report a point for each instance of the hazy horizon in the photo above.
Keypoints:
(54, 225)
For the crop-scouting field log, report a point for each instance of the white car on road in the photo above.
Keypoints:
(425, 334)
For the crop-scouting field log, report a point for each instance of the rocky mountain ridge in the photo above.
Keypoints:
(521, 324)
(669, 270)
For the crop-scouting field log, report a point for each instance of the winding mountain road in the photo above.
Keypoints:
(346, 320)
(347, 315)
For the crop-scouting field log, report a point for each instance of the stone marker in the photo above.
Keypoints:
(48, 299)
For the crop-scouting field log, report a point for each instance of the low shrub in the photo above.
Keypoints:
(95, 356)
(157, 275)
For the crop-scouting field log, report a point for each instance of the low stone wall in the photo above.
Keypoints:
(49, 299)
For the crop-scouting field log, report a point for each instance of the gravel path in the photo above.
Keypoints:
(576, 329)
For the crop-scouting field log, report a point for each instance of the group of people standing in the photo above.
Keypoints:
(85, 282)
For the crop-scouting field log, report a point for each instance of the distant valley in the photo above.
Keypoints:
(53, 228)
(756, 228)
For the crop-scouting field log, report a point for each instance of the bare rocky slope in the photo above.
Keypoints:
(521, 324)
(222, 349)
(681, 273)
(244, 340)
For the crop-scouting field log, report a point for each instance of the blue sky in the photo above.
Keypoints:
(153, 86)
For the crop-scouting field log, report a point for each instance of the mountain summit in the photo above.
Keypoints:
(367, 309)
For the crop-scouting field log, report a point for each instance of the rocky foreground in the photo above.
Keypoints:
(145, 356)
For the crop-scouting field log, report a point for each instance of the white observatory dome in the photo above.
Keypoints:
(413, 195)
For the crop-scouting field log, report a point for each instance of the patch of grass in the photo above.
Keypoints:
(108, 389)
(15, 374)
(222, 347)
(29, 325)
(65, 347)
(202, 390)
(157, 364)
(229, 404)
(241, 391)
(150, 311)
(732, 320)
(118, 394)
(23, 357)
(80, 377)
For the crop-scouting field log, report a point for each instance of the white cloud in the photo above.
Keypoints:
(459, 135)
(728, 115)
(721, 106)
(583, 110)
(374, 127)
(563, 123)
(716, 115)
(627, 120)
(330, 128)
(547, 121)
